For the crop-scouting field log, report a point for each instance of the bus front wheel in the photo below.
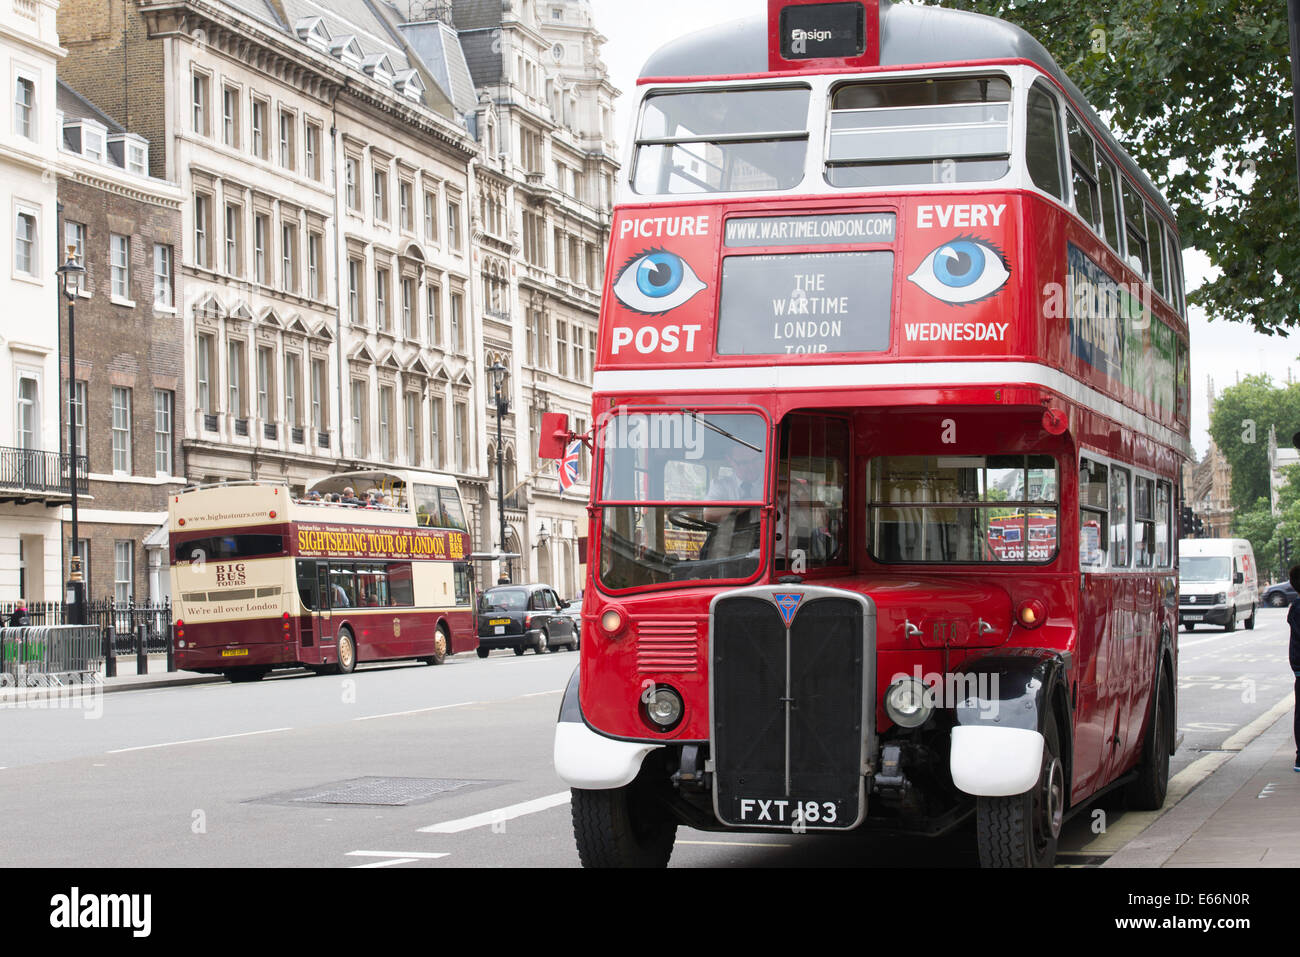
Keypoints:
(347, 653)
(1022, 830)
(622, 827)
(440, 646)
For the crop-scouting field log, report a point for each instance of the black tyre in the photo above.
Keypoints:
(1277, 600)
(1189, 626)
(520, 650)
(347, 652)
(441, 644)
(1147, 792)
(621, 827)
(543, 645)
(1023, 830)
(1232, 619)
(1250, 622)
(483, 652)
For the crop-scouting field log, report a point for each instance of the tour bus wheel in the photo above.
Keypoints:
(623, 827)
(1022, 830)
(239, 675)
(347, 652)
(1147, 792)
(440, 645)
(483, 652)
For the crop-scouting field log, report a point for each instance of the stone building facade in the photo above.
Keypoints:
(130, 378)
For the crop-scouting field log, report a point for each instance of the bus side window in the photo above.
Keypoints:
(343, 586)
(1120, 514)
(1043, 153)
(308, 591)
(1094, 512)
(450, 514)
(401, 591)
(462, 579)
(426, 504)
(1144, 525)
(1164, 554)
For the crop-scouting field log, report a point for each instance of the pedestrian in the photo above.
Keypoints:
(1293, 619)
(19, 617)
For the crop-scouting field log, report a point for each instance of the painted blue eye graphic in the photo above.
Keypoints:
(963, 271)
(656, 281)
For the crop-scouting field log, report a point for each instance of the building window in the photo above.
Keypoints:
(291, 372)
(25, 107)
(265, 387)
(579, 366)
(286, 139)
(235, 371)
(119, 259)
(381, 196)
(430, 217)
(457, 324)
(200, 104)
(460, 416)
(591, 356)
(259, 128)
(351, 174)
(164, 295)
(453, 225)
(202, 212)
(77, 414)
(289, 257)
(313, 265)
(404, 205)
(381, 299)
(261, 229)
(354, 292)
(433, 311)
(319, 395)
(29, 412)
(385, 421)
(74, 235)
(121, 429)
(358, 418)
(412, 428)
(26, 250)
(230, 117)
(162, 431)
(435, 432)
(232, 239)
(205, 374)
(561, 347)
(408, 308)
(123, 571)
(312, 146)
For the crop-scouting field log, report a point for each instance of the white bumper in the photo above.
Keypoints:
(995, 762)
(592, 762)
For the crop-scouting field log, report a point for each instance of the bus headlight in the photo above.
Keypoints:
(908, 703)
(664, 707)
(612, 622)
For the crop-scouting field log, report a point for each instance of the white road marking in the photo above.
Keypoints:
(398, 714)
(538, 694)
(499, 815)
(414, 855)
(219, 737)
(387, 863)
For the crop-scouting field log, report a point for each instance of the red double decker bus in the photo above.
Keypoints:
(892, 336)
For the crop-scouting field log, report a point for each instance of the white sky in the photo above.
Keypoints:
(1221, 350)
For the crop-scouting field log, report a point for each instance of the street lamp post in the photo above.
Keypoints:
(498, 378)
(70, 274)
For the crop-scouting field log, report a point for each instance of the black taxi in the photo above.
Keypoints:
(523, 617)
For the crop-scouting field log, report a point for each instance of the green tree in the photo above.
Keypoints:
(1239, 426)
(1199, 94)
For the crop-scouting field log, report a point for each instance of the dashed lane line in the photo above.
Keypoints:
(398, 714)
(499, 815)
(393, 858)
(219, 737)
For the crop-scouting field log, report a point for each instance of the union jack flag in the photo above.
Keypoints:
(569, 467)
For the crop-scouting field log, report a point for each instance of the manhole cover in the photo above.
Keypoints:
(374, 791)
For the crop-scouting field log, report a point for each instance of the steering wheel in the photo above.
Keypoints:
(683, 518)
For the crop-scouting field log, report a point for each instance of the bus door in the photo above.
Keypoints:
(324, 615)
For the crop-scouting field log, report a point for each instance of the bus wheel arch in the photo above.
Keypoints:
(442, 644)
(347, 641)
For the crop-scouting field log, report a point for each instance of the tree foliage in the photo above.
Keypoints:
(1199, 94)
(1265, 531)
(1239, 426)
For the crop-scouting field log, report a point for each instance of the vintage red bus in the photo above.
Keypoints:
(261, 580)
(895, 325)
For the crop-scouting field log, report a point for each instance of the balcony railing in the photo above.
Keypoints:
(40, 473)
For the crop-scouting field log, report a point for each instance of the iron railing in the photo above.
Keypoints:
(34, 470)
(122, 618)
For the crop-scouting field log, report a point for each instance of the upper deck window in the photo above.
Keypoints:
(720, 141)
(1043, 153)
(935, 130)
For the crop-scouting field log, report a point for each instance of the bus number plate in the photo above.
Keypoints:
(788, 813)
(234, 653)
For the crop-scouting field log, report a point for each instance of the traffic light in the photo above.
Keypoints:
(1185, 520)
(1286, 550)
(1198, 526)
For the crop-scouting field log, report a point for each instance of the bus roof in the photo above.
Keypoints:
(908, 36)
(379, 478)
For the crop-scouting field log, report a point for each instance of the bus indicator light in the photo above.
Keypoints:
(1055, 422)
(1031, 613)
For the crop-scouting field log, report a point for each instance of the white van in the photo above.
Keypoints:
(1217, 582)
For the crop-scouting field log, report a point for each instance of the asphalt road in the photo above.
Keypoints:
(263, 774)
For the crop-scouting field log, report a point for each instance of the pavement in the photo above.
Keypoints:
(1233, 807)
